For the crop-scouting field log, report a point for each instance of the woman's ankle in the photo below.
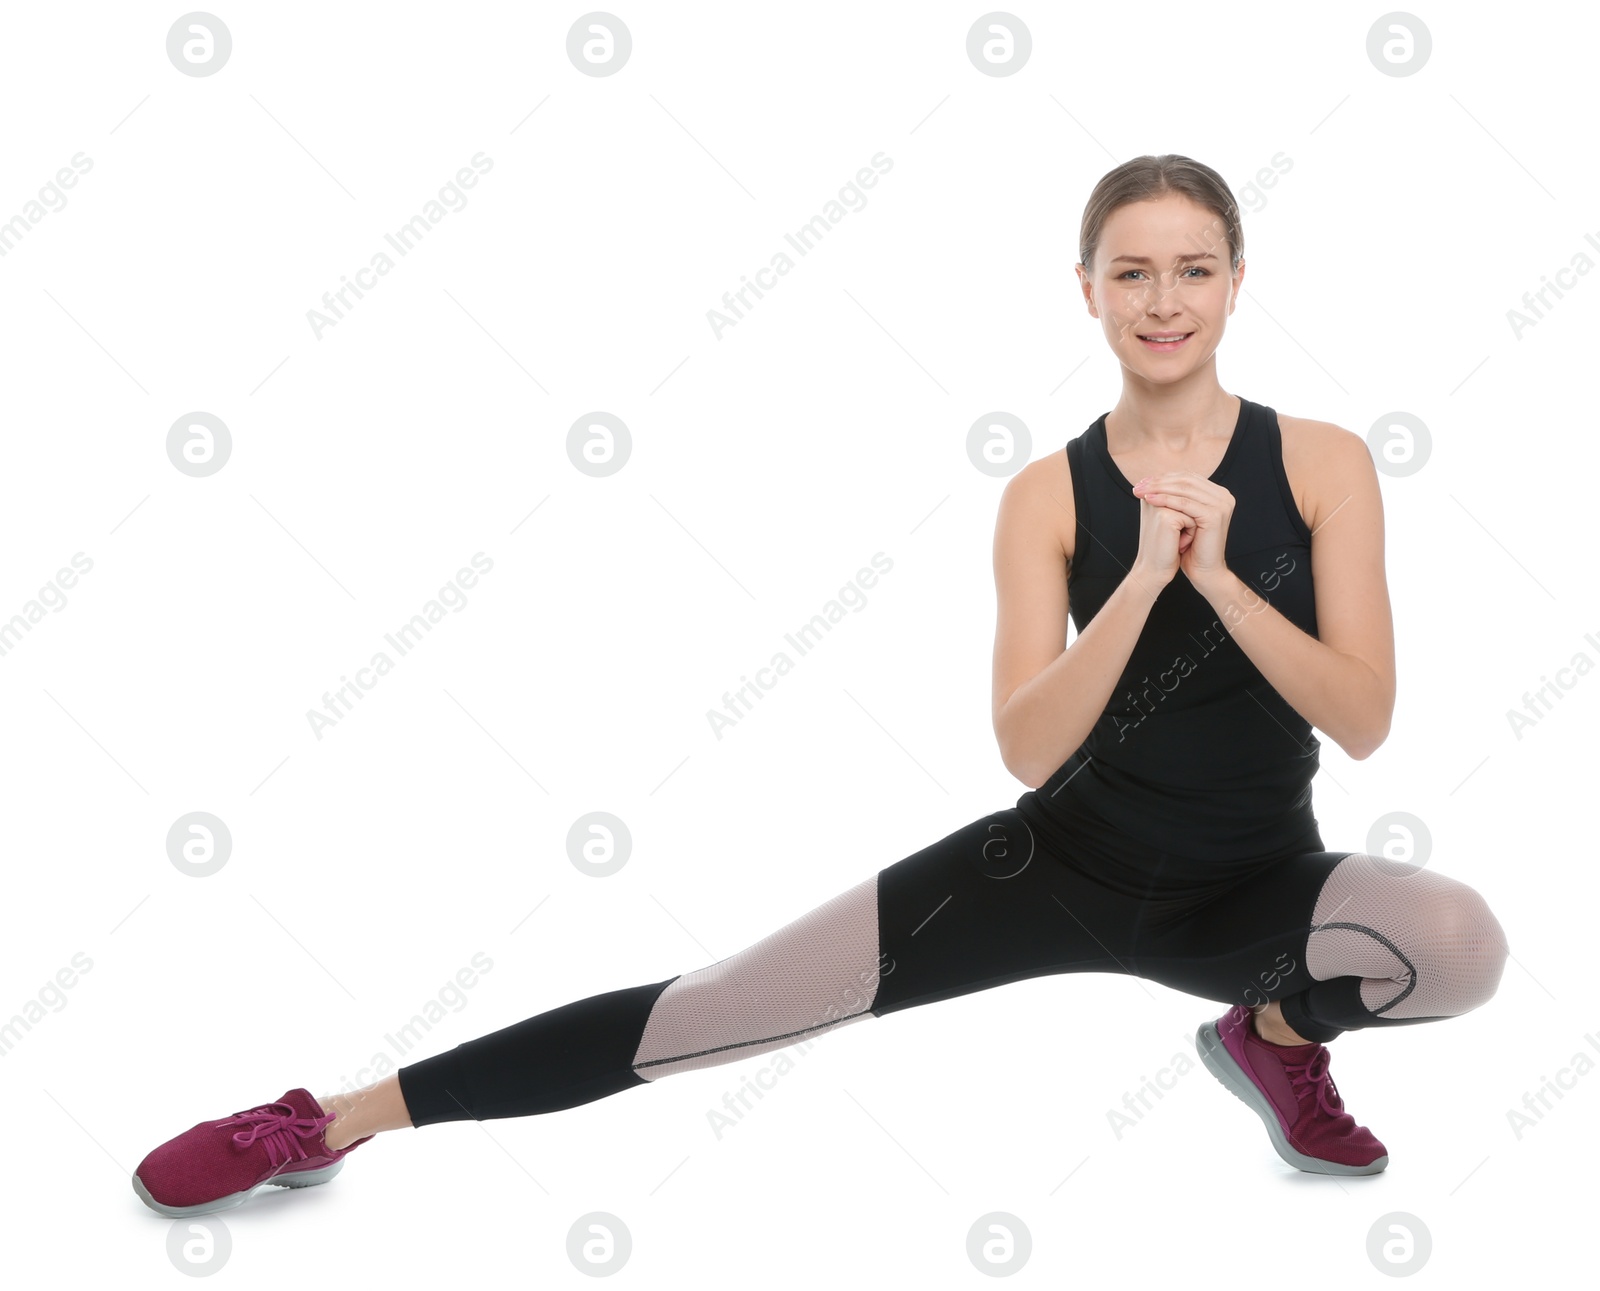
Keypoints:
(362, 1113)
(339, 1133)
(1276, 1030)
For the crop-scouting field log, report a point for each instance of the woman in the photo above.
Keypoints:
(1224, 568)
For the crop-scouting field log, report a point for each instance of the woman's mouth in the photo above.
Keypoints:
(1163, 342)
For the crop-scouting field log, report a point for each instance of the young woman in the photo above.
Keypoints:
(1224, 568)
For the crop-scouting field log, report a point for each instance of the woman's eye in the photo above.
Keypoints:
(1194, 268)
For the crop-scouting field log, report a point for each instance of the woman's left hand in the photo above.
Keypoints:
(1209, 506)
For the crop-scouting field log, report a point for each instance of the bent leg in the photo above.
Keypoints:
(987, 904)
(1393, 944)
(1342, 940)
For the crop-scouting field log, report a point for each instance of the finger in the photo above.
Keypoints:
(1192, 477)
(1193, 508)
(1174, 517)
(1180, 483)
(1177, 519)
(1179, 488)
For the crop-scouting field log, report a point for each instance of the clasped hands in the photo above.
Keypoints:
(1184, 525)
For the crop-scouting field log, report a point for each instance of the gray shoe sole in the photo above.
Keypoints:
(304, 1179)
(1219, 1062)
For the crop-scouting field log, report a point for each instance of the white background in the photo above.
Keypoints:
(767, 467)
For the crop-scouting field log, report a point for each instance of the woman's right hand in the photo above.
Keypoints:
(1164, 535)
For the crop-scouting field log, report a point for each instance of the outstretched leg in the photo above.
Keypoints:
(814, 974)
(988, 904)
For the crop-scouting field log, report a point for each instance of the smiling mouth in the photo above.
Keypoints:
(1162, 336)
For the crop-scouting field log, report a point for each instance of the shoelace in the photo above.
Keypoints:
(1313, 1073)
(280, 1132)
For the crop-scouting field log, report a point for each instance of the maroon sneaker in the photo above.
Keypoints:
(1289, 1088)
(217, 1165)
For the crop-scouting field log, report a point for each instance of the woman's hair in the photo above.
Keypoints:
(1149, 177)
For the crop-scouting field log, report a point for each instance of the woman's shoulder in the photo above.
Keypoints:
(1317, 443)
(1042, 491)
(1318, 456)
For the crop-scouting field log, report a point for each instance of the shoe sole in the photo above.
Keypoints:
(1221, 1064)
(300, 1179)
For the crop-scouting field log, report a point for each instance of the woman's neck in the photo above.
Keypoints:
(1169, 421)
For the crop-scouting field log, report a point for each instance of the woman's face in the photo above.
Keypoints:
(1162, 268)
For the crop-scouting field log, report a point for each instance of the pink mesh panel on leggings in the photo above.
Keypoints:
(815, 974)
(1427, 945)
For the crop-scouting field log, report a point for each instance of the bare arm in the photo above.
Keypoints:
(1047, 695)
(1342, 681)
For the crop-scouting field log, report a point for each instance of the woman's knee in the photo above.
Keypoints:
(1465, 946)
(1444, 942)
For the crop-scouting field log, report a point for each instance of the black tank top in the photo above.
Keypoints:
(1195, 754)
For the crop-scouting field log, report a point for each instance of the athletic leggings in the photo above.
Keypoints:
(1343, 940)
